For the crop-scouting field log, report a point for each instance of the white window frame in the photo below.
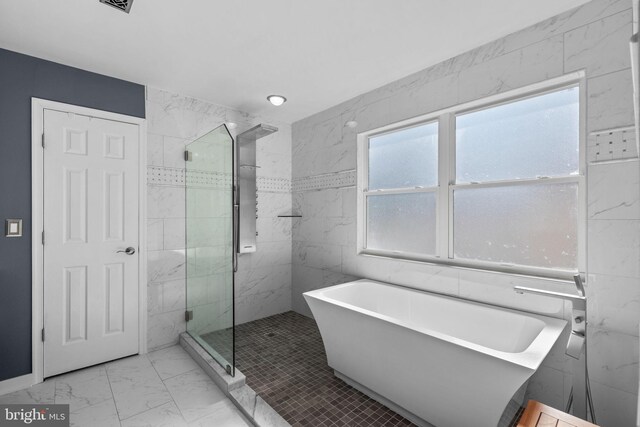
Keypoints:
(447, 185)
(405, 190)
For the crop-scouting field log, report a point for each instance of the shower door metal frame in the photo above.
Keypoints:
(235, 242)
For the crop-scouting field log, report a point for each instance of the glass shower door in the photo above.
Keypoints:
(210, 244)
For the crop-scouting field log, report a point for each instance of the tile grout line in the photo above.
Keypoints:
(113, 396)
(148, 408)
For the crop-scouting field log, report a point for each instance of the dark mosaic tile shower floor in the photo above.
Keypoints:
(284, 361)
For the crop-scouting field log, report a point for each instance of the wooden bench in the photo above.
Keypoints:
(538, 415)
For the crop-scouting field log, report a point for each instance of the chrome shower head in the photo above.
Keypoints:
(256, 133)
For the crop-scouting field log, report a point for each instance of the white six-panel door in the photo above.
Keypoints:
(90, 218)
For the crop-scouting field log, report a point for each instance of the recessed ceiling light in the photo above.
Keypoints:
(351, 124)
(276, 100)
(232, 125)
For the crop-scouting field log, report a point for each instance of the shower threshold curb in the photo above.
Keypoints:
(259, 412)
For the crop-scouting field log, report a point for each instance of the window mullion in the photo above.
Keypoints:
(362, 184)
(451, 182)
(442, 205)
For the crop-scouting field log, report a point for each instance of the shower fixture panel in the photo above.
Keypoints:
(123, 5)
(246, 197)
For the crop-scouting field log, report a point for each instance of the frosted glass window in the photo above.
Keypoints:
(494, 210)
(404, 158)
(402, 222)
(532, 225)
(533, 137)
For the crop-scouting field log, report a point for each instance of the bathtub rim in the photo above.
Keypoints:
(531, 357)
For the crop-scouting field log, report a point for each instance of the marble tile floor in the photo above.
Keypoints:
(161, 388)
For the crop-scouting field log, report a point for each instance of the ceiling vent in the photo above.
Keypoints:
(123, 5)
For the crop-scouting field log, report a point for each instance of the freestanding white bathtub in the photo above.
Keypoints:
(443, 361)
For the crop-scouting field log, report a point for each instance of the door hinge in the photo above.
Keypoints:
(43, 237)
(188, 156)
(188, 315)
(43, 140)
(42, 334)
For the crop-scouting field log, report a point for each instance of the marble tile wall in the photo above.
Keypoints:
(263, 282)
(593, 37)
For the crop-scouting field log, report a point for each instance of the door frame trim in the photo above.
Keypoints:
(38, 106)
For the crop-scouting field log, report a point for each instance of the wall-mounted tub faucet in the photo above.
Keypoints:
(577, 279)
(577, 339)
(576, 346)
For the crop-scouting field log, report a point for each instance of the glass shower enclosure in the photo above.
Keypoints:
(211, 253)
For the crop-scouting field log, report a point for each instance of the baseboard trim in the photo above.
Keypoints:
(15, 384)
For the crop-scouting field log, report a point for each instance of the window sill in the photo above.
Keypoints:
(554, 275)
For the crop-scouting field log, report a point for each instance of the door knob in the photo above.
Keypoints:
(129, 251)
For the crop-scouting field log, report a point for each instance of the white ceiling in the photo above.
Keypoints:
(235, 53)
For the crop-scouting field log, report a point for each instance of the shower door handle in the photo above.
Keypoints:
(236, 218)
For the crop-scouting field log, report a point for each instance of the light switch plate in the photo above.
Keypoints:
(13, 228)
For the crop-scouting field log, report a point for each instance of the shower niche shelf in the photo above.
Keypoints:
(290, 215)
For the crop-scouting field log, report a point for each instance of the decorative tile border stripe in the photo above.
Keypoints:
(165, 176)
(209, 179)
(320, 182)
(273, 185)
(157, 175)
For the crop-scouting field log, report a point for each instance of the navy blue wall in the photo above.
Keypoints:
(23, 77)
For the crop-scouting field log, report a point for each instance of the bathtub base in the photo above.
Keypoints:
(507, 419)
(386, 402)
